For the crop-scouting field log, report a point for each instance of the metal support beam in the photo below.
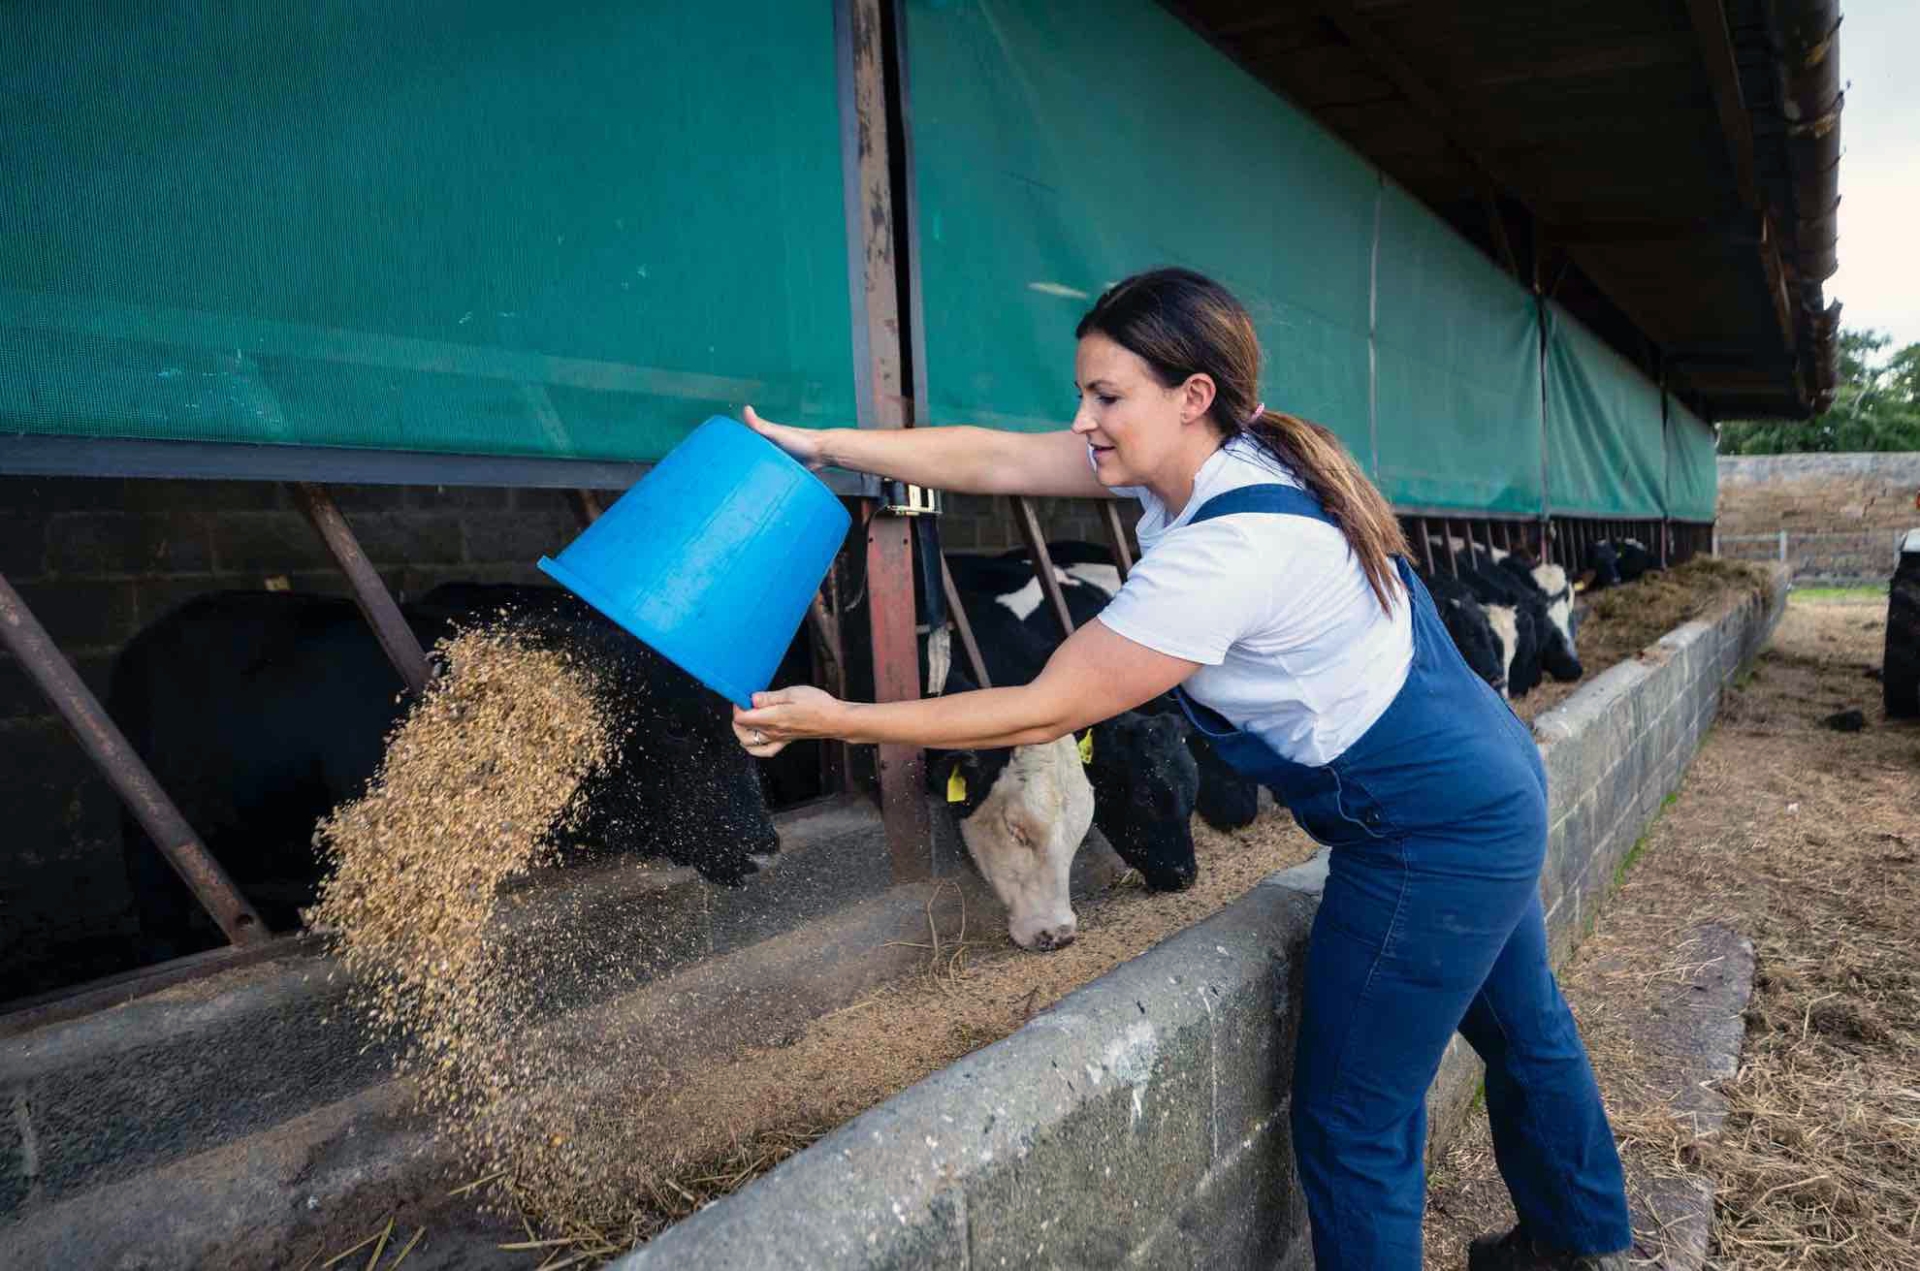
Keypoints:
(369, 591)
(1029, 522)
(1117, 538)
(867, 156)
(961, 624)
(28, 641)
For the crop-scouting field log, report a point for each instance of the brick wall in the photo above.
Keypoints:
(98, 559)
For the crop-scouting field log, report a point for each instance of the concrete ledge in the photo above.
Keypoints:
(208, 1062)
(1141, 1122)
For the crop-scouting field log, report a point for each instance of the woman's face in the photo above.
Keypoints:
(1134, 425)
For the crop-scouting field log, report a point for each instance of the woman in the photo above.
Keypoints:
(1273, 592)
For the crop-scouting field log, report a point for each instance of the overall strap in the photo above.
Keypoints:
(1285, 500)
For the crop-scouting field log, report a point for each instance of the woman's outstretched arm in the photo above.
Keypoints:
(1095, 675)
(962, 459)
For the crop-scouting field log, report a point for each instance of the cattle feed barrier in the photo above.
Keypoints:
(1142, 1120)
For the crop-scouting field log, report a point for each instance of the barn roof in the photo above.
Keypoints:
(1667, 169)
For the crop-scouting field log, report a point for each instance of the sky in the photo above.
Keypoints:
(1879, 279)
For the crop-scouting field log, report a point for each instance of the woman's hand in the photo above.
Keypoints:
(799, 713)
(804, 444)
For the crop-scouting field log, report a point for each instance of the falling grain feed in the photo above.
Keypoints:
(479, 782)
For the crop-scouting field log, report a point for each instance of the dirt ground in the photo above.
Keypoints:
(1807, 841)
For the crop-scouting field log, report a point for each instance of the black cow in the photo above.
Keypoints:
(259, 712)
(1613, 561)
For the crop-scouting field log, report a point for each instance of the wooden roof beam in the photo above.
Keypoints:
(1723, 72)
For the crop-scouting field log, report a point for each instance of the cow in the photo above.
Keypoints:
(1022, 812)
(1614, 561)
(1088, 580)
(1900, 661)
(259, 712)
(1145, 779)
(1486, 635)
(1540, 596)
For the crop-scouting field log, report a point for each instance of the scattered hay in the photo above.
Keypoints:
(1619, 622)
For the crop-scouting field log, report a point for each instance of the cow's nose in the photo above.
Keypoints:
(1051, 938)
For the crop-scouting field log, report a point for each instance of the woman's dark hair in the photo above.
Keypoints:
(1183, 324)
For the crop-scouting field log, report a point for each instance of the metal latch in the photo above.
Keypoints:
(900, 499)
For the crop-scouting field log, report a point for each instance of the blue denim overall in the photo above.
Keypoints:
(1431, 923)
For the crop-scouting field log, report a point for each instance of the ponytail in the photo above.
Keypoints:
(1324, 466)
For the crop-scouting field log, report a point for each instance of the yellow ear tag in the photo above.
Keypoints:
(956, 787)
(1086, 747)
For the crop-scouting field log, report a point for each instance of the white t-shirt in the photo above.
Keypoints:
(1292, 642)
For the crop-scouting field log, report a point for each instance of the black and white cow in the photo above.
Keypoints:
(1022, 812)
(1540, 596)
(1145, 779)
(1486, 635)
(259, 712)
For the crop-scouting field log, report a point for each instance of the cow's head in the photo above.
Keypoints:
(1145, 783)
(1557, 652)
(1023, 812)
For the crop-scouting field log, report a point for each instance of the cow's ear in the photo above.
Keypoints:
(954, 776)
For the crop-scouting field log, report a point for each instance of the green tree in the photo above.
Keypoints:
(1876, 406)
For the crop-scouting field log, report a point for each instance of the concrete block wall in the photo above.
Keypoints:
(96, 560)
(1142, 1120)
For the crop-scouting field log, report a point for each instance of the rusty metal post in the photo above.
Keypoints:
(28, 641)
(1117, 538)
(868, 154)
(369, 592)
(1028, 519)
(967, 642)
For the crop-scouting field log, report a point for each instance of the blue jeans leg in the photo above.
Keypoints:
(1403, 941)
(1550, 1132)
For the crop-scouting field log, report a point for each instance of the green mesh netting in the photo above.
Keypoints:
(1606, 455)
(1457, 371)
(1693, 470)
(1060, 145)
(473, 227)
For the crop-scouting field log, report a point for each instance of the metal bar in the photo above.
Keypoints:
(1426, 544)
(829, 659)
(1117, 538)
(1028, 521)
(867, 160)
(959, 612)
(117, 760)
(244, 461)
(369, 592)
(1446, 539)
(586, 506)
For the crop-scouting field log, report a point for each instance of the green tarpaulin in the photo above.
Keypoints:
(472, 227)
(1457, 371)
(1693, 471)
(1060, 145)
(1606, 455)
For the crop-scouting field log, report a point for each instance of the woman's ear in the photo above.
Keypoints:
(1196, 397)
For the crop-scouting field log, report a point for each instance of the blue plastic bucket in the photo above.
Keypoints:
(713, 557)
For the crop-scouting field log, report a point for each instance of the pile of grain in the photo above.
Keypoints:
(477, 780)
